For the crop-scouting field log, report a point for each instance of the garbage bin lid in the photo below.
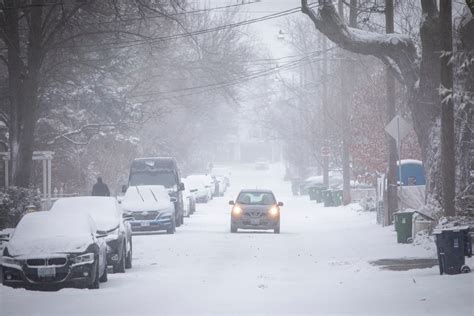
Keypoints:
(452, 229)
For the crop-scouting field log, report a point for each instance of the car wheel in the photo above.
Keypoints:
(172, 229)
(104, 277)
(94, 283)
(277, 230)
(128, 261)
(233, 229)
(119, 267)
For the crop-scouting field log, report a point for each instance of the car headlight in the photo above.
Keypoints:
(273, 211)
(83, 259)
(11, 261)
(236, 210)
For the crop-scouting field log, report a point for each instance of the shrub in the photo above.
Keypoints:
(13, 203)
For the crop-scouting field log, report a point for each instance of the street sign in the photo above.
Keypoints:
(398, 128)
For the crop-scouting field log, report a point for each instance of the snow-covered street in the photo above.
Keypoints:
(319, 264)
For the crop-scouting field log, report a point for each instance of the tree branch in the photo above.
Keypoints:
(396, 51)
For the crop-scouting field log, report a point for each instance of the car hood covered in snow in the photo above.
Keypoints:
(146, 198)
(48, 246)
(45, 233)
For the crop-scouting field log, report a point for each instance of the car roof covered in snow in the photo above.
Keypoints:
(104, 210)
(256, 191)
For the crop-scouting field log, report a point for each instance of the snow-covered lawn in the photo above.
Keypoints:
(319, 264)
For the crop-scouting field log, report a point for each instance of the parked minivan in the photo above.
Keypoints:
(159, 171)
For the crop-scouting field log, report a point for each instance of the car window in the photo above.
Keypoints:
(256, 198)
(166, 179)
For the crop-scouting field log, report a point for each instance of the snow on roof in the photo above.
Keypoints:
(411, 162)
(104, 210)
(46, 232)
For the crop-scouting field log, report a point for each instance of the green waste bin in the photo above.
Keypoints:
(403, 226)
(319, 194)
(337, 197)
(312, 191)
(327, 198)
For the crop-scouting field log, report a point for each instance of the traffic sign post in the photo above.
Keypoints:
(398, 128)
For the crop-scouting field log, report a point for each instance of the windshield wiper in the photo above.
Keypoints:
(153, 195)
(139, 193)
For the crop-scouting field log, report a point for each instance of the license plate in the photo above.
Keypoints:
(145, 224)
(46, 272)
(255, 221)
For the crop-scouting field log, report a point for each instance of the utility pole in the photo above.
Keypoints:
(392, 196)
(324, 112)
(448, 161)
(345, 119)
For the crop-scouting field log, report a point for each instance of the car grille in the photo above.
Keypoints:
(37, 262)
(254, 214)
(145, 216)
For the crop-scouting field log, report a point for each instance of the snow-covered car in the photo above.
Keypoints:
(189, 199)
(221, 185)
(55, 249)
(149, 208)
(255, 209)
(107, 215)
(222, 172)
(202, 189)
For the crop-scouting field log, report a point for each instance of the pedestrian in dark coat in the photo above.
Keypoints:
(100, 188)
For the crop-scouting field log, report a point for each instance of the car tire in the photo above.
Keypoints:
(233, 229)
(172, 229)
(128, 260)
(119, 267)
(104, 277)
(94, 284)
(277, 230)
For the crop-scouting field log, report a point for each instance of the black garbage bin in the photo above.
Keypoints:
(453, 245)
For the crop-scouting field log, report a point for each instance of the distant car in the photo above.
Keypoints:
(200, 183)
(108, 218)
(55, 249)
(150, 209)
(255, 209)
(189, 198)
(221, 185)
(261, 164)
(222, 173)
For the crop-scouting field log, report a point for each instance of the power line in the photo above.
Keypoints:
(254, 75)
(137, 42)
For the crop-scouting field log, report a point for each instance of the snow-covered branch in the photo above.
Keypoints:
(395, 50)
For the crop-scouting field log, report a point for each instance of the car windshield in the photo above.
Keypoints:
(256, 198)
(164, 178)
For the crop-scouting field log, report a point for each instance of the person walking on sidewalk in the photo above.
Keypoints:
(100, 188)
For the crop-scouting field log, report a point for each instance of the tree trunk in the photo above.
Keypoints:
(23, 84)
(448, 159)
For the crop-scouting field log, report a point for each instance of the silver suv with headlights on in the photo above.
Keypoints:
(255, 209)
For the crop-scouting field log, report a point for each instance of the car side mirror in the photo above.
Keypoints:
(173, 199)
(124, 188)
(231, 202)
(193, 190)
(280, 204)
(181, 186)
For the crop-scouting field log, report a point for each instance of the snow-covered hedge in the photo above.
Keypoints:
(13, 203)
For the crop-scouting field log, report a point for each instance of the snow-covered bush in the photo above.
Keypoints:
(13, 203)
